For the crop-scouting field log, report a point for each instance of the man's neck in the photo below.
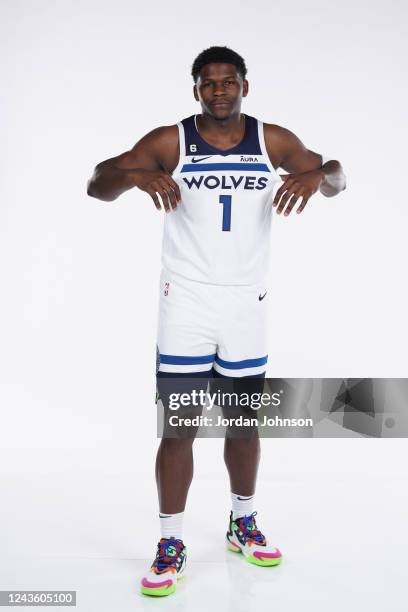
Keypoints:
(229, 131)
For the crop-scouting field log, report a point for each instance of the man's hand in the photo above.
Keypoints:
(156, 182)
(295, 186)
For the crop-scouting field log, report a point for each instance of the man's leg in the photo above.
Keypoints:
(241, 359)
(242, 449)
(174, 460)
(241, 456)
(185, 353)
(174, 473)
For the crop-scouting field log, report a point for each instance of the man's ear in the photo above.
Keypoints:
(245, 87)
(195, 93)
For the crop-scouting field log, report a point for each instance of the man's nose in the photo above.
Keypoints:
(219, 89)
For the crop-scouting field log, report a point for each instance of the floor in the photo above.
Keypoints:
(344, 542)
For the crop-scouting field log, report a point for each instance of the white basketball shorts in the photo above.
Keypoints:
(204, 326)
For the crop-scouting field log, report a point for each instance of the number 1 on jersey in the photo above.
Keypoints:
(225, 200)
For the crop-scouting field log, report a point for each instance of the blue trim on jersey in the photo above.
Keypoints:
(186, 360)
(221, 166)
(245, 363)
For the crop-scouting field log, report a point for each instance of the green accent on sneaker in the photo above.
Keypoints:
(254, 560)
(159, 592)
(263, 562)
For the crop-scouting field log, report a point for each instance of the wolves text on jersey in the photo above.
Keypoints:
(226, 182)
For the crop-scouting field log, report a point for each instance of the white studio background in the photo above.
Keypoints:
(83, 81)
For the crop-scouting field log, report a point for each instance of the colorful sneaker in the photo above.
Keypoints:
(244, 536)
(168, 566)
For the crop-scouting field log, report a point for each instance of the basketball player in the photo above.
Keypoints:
(214, 175)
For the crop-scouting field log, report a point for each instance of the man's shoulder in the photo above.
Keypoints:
(169, 131)
(279, 139)
(163, 134)
(158, 146)
(276, 131)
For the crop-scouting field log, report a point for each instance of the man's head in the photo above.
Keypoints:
(219, 81)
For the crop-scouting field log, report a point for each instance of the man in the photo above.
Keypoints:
(214, 174)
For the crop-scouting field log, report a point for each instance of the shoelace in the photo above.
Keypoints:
(249, 528)
(168, 551)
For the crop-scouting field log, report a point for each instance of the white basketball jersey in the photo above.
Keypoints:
(220, 232)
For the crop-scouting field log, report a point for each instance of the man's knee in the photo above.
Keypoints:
(176, 445)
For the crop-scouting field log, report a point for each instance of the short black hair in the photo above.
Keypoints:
(218, 55)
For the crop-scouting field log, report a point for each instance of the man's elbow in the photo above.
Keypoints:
(329, 191)
(337, 182)
(92, 191)
(342, 179)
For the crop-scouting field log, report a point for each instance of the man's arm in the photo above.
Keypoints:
(306, 172)
(148, 166)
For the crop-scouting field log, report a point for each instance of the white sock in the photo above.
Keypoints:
(242, 505)
(171, 525)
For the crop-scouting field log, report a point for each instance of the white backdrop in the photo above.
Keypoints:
(79, 277)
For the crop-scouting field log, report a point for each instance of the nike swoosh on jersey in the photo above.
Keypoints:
(261, 297)
(194, 160)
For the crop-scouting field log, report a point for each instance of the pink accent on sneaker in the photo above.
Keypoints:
(264, 555)
(155, 585)
(233, 544)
